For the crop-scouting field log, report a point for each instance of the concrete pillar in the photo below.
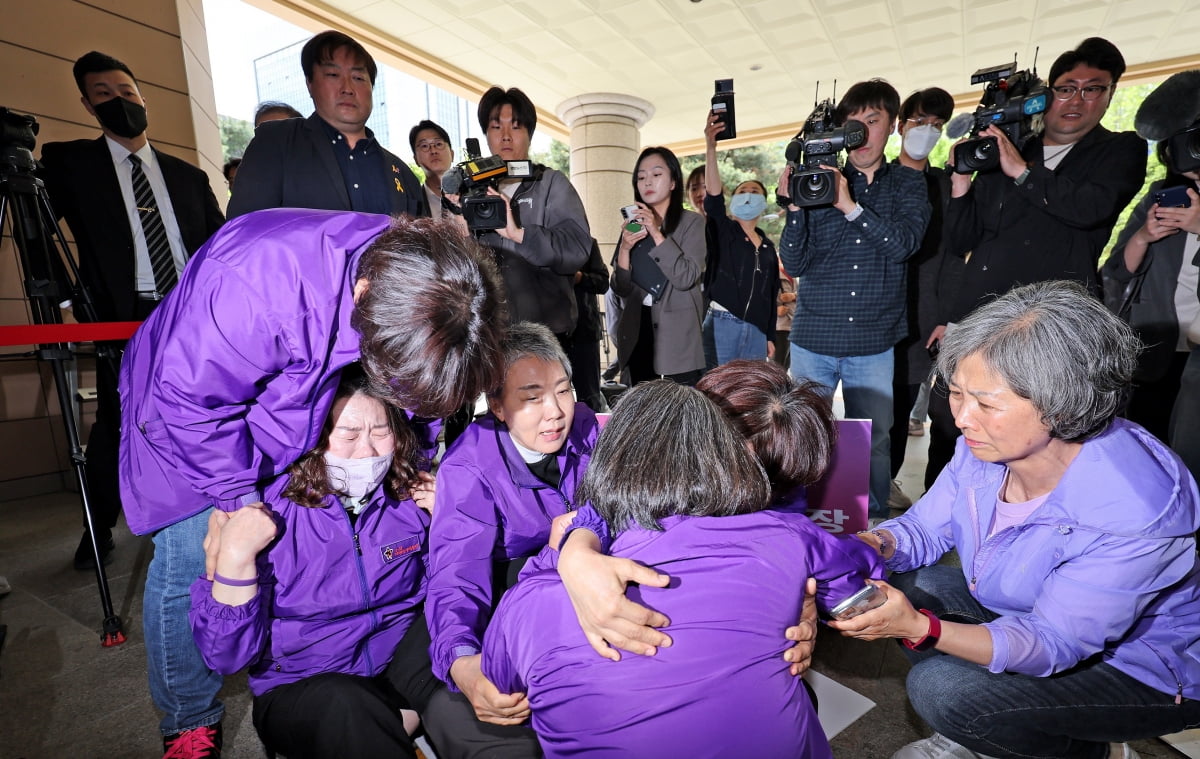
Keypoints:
(605, 143)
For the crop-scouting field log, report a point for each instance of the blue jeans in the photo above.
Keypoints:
(1071, 714)
(867, 391)
(727, 337)
(181, 684)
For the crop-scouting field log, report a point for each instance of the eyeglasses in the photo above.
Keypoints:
(1090, 92)
(932, 121)
(429, 145)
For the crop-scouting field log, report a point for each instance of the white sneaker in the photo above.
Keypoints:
(1126, 752)
(937, 746)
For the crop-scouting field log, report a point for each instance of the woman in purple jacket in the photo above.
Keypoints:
(500, 486)
(315, 589)
(1073, 624)
(684, 495)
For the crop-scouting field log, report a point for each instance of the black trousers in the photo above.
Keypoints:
(942, 432)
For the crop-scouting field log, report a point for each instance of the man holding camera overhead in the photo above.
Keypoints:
(545, 238)
(1047, 210)
(849, 262)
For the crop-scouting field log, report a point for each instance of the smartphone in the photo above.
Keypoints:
(722, 108)
(627, 213)
(1173, 197)
(864, 600)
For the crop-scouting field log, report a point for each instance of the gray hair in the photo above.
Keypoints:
(529, 340)
(1056, 346)
(669, 450)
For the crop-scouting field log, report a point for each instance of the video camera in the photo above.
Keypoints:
(816, 148)
(472, 178)
(1011, 101)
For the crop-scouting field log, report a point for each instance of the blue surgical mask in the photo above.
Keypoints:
(747, 206)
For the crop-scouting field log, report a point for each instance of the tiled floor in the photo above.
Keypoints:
(62, 694)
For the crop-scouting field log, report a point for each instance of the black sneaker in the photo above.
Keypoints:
(85, 559)
(197, 743)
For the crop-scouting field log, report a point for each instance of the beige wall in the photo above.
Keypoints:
(164, 43)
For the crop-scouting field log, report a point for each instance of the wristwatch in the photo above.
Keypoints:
(931, 638)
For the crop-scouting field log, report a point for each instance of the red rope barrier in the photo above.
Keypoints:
(43, 334)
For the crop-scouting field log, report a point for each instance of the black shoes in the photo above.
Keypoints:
(85, 559)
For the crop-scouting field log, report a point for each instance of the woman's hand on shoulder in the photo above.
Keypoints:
(423, 490)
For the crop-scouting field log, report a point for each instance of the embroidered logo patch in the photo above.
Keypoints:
(393, 551)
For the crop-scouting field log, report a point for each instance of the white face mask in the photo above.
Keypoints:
(919, 141)
(356, 477)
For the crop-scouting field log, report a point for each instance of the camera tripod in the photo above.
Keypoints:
(50, 280)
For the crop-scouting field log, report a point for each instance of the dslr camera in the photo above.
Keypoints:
(1013, 102)
(472, 178)
(816, 149)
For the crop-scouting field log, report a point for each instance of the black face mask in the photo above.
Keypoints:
(121, 117)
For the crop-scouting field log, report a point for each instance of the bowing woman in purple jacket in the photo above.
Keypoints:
(314, 589)
(500, 486)
(684, 495)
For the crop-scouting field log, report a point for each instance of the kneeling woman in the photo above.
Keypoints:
(684, 495)
(500, 486)
(315, 591)
(1073, 624)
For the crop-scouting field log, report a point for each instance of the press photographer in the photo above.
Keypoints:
(848, 258)
(544, 238)
(1049, 210)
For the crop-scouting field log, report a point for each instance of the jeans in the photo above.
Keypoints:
(867, 391)
(1075, 713)
(181, 684)
(727, 337)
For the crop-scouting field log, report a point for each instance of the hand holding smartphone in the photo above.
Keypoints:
(722, 108)
(866, 599)
(1173, 197)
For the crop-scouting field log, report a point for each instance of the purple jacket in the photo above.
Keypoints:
(332, 597)
(490, 509)
(722, 688)
(232, 376)
(1106, 566)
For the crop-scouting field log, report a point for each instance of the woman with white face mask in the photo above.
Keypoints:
(315, 590)
(658, 334)
(741, 279)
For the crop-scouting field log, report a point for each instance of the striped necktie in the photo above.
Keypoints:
(161, 260)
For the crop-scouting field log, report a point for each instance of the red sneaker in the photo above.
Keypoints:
(198, 743)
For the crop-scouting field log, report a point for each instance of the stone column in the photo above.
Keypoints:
(605, 143)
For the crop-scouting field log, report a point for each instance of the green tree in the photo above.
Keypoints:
(557, 157)
(235, 136)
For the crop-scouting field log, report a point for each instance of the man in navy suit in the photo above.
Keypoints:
(331, 159)
(116, 193)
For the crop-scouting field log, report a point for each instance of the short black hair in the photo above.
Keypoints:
(229, 166)
(96, 63)
(421, 126)
(669, 450)
(523, 111)
(873, 93)
(1096, 52)
(321, 48)
(432, 319)
(933, 101)
(268, 107)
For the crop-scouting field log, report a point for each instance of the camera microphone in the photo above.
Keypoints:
(1173, 106)
(959, 125)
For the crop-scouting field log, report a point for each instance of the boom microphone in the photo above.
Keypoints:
(959, 125)
(1170, 108)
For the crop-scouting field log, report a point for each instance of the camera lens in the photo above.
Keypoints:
(815, 186)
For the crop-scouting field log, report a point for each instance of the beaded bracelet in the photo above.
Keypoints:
(234, 583)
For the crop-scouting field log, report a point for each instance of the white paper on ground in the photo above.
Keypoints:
(1188, 742)
(837, 706)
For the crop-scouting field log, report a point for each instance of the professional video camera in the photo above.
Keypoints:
(816, 148)
(472, 178)
(1013, 102)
